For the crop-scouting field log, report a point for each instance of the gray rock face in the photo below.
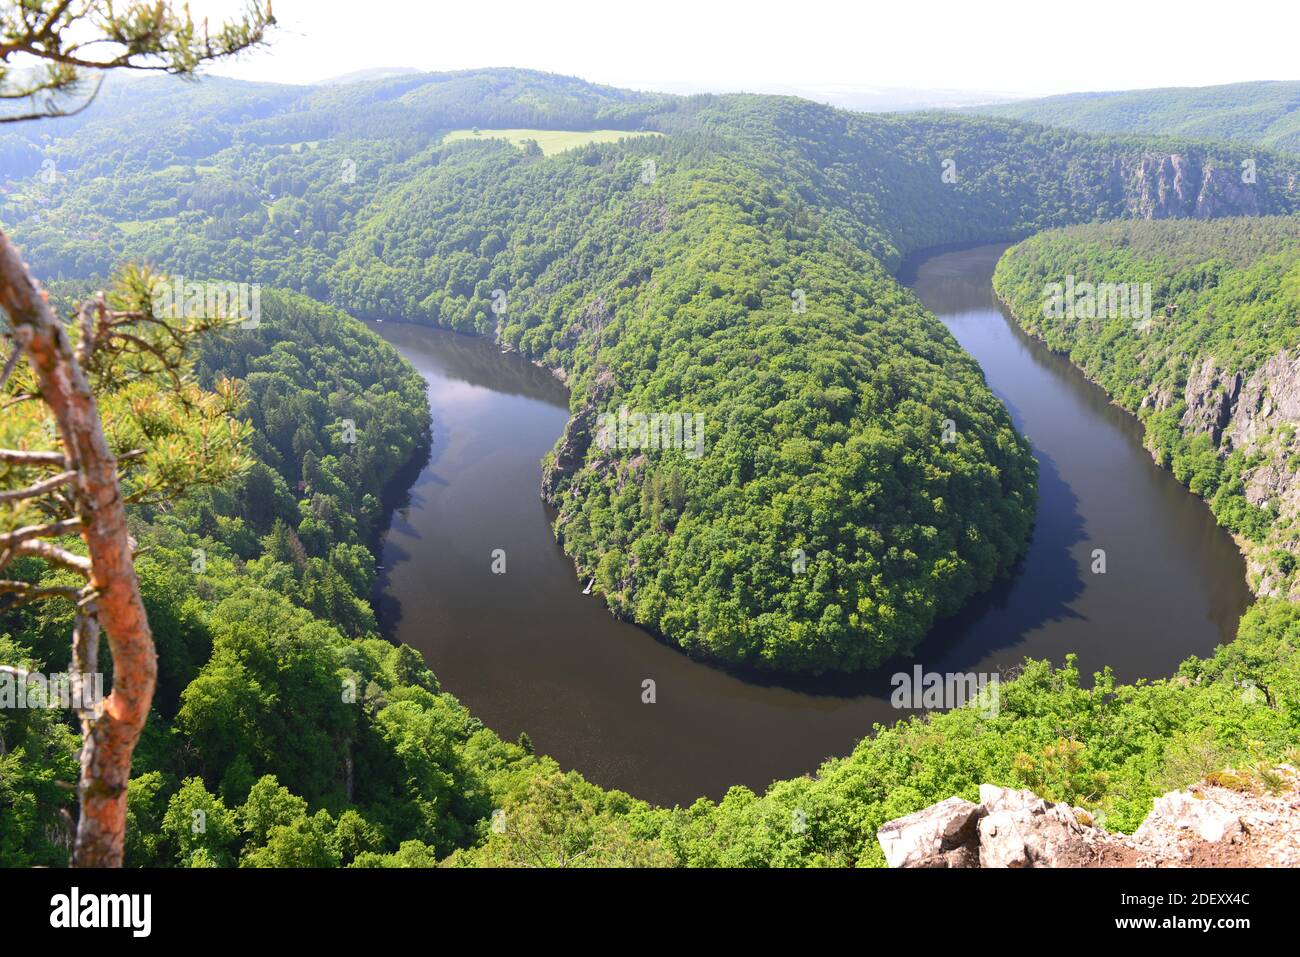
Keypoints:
(1271, 396)
(579, 432)
(1211, 396)
(1159, 399)
(1258, 416)
(1169, 186)
(569, 456)
(590, 322)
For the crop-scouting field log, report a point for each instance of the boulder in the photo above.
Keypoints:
(942, 835)
(1020, 829)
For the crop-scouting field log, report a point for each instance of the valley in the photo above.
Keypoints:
(485, 467)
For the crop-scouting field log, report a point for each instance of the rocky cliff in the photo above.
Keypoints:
(1176, 186)
(1258, 415)
(1228, 820)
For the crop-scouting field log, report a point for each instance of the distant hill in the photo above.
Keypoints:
(1265, 113)
(860, 99)
(364, 76)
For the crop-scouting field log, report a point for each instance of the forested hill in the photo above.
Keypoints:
(1265, 113)
(189, 121)
(736, 263)
(1213, 372)
(271, 183)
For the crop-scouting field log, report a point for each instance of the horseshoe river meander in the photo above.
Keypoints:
(527, 651)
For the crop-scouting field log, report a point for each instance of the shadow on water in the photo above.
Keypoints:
(528, 651)
(401, 500)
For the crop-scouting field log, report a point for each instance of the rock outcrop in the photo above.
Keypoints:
(943, 835)
(1170, 186)
(1258, 415)
(1228, 820)
(1270, 397)
(1211, 395)
(579, 432)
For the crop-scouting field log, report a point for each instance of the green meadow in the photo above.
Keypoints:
(551, 141)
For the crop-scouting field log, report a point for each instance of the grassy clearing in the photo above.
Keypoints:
(132, 227)
(551, 141)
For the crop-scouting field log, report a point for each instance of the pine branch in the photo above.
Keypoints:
(52, 553)
(37, 488)
(67, 526)
(23, 593)
(20, 457)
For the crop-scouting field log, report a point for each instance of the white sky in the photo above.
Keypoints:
(1013, 46)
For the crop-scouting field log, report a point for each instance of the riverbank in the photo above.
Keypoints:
(1212, 373)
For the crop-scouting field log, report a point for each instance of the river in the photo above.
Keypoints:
(527, 651)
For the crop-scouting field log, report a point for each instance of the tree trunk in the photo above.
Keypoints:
(112, 734)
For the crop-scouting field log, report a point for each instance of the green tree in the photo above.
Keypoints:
(121, 352)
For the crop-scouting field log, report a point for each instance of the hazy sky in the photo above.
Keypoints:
(993, 45)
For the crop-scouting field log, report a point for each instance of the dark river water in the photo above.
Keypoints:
(527, 651)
